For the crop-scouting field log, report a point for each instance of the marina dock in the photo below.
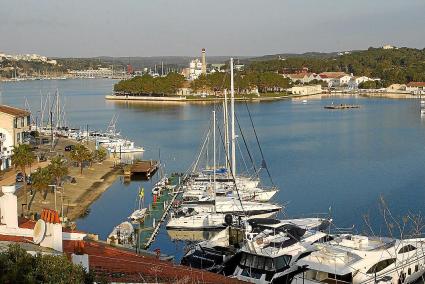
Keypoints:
(158, 212)
(144, 168)
(341, 106)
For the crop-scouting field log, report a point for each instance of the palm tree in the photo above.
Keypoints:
(41, 180)
(80, 154)
(21, 158)
(58, 169)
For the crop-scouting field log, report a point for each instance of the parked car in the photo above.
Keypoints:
(19, 177)
(69, 148)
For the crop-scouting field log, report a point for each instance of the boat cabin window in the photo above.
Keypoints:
(281, 261)
(264, 263)
(381, 265)
(406, 249)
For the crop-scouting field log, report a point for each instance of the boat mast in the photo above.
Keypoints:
(226, 130)
(232, 110)
(214, 158)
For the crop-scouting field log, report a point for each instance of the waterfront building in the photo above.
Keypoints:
(306, 90)
(197, 67)
(101, 72)
(417, 88)
(14, 126)
(355, 81)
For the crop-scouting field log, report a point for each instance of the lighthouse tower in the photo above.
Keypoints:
(204, 63)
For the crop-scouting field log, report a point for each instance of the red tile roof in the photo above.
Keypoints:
(332, 74)
(119, 265)
(416, 84)
(13, 111)
(124, 266)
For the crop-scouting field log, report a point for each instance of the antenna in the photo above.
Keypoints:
(39, 232)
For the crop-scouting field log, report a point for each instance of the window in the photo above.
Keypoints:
(416, 268)
(409, 271)
(282, 261)
(15, 123)
(406, 249)
(381, 265)
(28, 120)
(22, 122)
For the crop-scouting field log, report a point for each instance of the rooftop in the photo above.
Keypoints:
(416, 84)
(13, 111)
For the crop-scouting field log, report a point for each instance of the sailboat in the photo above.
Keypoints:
(140, 213)
(223, 210)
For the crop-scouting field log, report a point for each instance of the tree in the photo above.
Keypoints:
(81, 154)
(58, 169)
(21, 158)
(100, 154)
(18, 266)
(41, 179)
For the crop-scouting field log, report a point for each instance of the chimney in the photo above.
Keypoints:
(53, 238)
(79, 256)
(9, 207)
(204, 63)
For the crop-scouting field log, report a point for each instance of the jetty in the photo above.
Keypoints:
(157, 214)
(341, 106)
(144, 168)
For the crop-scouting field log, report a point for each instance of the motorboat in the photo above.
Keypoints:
(235, 206)
(189, 219)
(272, 248)
(123, 234)
(222, 253)
(361, 259)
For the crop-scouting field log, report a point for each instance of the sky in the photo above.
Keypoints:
(87, 28)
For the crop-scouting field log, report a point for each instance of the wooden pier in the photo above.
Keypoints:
(155, 231)
(144, 168)
(341, 106)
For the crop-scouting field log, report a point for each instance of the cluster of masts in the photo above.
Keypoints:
(51, 120)
(256, 247)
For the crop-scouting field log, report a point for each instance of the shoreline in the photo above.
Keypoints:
(194, 100)
(77, 197)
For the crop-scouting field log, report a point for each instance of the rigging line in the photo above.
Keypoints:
(243, 159)
(195, 163)
(231, 172)
(258, 143)
(246, 145)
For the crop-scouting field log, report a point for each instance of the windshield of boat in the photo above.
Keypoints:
(264, 262)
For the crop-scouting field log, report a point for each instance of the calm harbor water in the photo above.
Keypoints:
(322, 160)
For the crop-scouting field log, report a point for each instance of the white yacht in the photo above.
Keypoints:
(235, 206)
(360, 259)
(192, 220)
(222, 253)
(272, 248)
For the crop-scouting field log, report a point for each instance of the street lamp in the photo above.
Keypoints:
(54, 188)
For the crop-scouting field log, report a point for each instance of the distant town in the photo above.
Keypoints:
(303, 75)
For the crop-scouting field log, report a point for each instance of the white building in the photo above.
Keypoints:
(417, 88)
(195, 69)
(356, 81)
(306, 90)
